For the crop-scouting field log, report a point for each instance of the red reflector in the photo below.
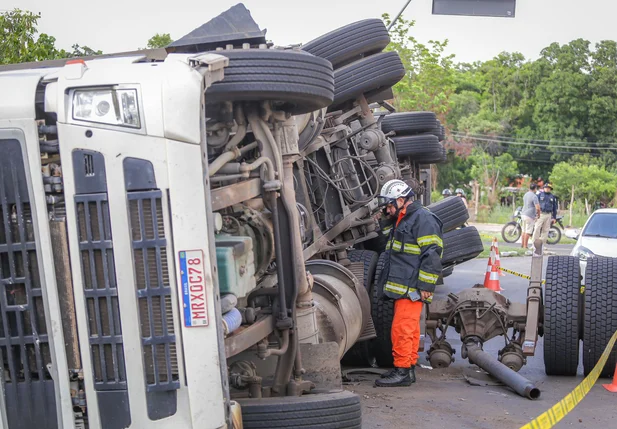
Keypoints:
(78, 61)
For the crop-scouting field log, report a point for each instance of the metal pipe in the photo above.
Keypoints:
(271, 150)
(488, 363)
(241, 132)
(221, 160)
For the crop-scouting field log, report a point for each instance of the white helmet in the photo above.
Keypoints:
(392, 190)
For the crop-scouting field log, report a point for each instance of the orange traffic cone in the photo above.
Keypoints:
(489, 265)
(493, 280)
(613, 386)
(497, 260)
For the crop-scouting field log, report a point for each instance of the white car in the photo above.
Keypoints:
(597, 238)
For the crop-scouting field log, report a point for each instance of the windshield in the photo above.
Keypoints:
(602, 225)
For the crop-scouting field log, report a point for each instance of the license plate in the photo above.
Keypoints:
(193, 286)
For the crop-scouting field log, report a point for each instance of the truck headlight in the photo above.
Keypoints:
(584, 253)
(113, 106)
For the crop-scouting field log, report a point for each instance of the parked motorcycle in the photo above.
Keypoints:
(512, 230)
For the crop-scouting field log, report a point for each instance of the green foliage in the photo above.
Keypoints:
(159, 40)
(590, 183)
(19, 41)
(429, 80)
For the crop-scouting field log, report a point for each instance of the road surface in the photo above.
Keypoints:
(443, 399)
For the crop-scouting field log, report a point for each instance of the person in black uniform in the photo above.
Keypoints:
(548, 215)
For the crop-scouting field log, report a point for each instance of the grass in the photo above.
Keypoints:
(489, 236)
(487, 250)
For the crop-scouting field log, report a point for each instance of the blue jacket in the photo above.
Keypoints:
(548, 204)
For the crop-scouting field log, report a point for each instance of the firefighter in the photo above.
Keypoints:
(413, 265)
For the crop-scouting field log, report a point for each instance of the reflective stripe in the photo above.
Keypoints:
(428, 277)
(430, 239)
(386, 231)
(409, 248)
(412, 248)
(396, 288)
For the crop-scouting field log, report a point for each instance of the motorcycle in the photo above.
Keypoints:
(512, 230)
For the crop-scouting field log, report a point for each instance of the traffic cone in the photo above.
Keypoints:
(497, 260)
(489, 265)
(613, 386)
(493, 280)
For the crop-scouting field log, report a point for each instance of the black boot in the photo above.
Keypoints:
(412, 373)
(388, 373)
(399, 377)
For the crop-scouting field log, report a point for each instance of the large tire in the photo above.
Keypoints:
(350, 42)
(451, 211)
(461, 245)
(296, 81)
(554, 235)
(321, 411)
(368, 75)
(360, 354)
(418, 148)
(408, 123)
(511, 232)
(561, 336)
(382, 311)
(600, 313)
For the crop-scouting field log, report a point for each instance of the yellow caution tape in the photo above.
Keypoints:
(523, 276)
(551, 417)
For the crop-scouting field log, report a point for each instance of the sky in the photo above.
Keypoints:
(125, 25)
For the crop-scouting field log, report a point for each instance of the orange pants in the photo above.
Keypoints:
(406, 332)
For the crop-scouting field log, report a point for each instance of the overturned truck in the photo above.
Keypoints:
(187, 237)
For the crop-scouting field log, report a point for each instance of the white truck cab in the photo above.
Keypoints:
(131, 135)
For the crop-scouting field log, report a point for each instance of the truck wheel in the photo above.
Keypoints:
(382, 311)
(451, 211)
(296, 81)
(436, 157)
(461, 245)
(561, 337)
(319, 411)
(408, 123)
(369, 74)
(350, 42)
(511, 232)
(418, 147)
(600, 314)
(360, 354)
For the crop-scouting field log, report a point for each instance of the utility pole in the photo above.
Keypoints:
(399, 15)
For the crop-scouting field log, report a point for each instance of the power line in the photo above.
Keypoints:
(532, 139)
(513, 142)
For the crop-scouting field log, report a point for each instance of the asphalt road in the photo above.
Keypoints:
(444, 399)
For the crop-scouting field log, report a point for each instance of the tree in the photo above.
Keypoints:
(159, 40)
(19, 42)
(429, 78)
(590, 183)
(492, 171)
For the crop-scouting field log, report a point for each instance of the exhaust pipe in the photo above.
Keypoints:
(512, 379)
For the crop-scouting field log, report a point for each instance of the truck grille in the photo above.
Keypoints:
(24, 344)
(153, 289)
(100, 289)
